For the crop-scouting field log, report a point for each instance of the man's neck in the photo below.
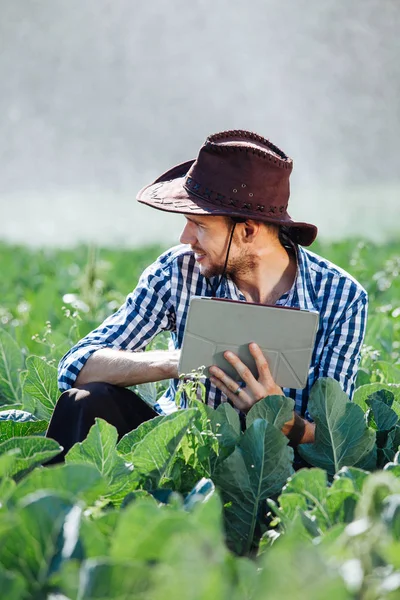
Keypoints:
(273, 275)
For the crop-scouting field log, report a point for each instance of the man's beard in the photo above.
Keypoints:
(236, 266)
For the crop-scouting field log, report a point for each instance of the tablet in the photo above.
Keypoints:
(286, 336)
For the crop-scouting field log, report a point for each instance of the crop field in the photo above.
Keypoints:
(188, 506)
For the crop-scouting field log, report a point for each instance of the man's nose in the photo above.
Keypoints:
(187, 235)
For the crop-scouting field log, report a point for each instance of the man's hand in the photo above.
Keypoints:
(257, 389)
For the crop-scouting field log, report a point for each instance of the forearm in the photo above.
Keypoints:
(309, 433)
(299, 430)
(123, 368)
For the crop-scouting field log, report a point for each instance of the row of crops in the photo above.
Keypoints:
(189, 506)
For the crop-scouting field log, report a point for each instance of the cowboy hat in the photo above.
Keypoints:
(237, 174)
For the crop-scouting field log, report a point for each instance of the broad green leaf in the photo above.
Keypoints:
(152, 458)
(258, 468)
(99, 449)
(186, 550)
(33, 451)
(104, 578)
(41, 383)
(11, 364)
(277, 410)
(390, 372)
(356, 476)
(394, 465)
(192, 567)
(396, 407)
(8, 460)
(391, 514)
(385, 396)
(312, 485)
(207, 516)
(226, 422)
(341, 501)
(128, 442)
(82, 481)
(296, 568)
(67, 580)
(7, 486)
(384, 418)
(10, 429)
(220, 429)
(392, 445)
(12, 407)
(246, 572)
(377, 487)
(144, 530)
(341, 435)
(290, 505)
(97, 534)
(361, 394)
(45, 534)
(12, 585)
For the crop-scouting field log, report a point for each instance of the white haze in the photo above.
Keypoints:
(99, 97)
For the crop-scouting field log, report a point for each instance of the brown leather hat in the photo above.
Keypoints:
(236, 174)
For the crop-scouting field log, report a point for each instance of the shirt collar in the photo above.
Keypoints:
(304, 284)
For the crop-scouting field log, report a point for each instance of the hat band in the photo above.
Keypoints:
(197, 189)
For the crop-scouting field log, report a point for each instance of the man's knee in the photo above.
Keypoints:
(90, 392)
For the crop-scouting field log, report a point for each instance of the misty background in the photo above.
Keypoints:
(98, 97)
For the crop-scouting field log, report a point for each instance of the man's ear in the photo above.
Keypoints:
(250, 230)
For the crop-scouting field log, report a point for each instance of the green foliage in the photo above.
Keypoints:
(10, 428)
(341, 437)
(164, 513)
(11, 364)
(26, 453)
(257, 469)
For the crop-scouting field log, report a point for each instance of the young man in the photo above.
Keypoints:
(238, 242)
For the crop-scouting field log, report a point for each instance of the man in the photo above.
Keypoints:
(239, 243)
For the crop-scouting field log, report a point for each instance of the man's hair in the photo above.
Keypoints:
(280, 231)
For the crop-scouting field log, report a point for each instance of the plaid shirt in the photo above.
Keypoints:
(160, 302)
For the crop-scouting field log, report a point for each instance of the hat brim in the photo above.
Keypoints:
(169, 194)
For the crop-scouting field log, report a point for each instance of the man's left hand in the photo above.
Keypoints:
(256, 389)
(297, 429)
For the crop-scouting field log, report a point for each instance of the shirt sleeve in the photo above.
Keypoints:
(341, 354)
(147, 311)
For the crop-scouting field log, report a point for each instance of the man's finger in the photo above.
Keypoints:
(240, 399)
(244, 371)
(261, 363)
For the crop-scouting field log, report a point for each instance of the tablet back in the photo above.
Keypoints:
(285, 335)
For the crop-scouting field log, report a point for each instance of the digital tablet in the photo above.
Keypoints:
(285, 335)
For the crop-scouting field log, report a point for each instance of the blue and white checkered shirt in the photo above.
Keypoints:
(160, 302)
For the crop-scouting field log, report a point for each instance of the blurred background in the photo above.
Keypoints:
(99, 97)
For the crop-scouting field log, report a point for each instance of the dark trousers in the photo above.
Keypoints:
(77, 408)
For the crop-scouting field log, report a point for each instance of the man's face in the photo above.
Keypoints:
(209, 237)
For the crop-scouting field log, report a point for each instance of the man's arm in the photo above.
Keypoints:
(125, 368)
(110, 353)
